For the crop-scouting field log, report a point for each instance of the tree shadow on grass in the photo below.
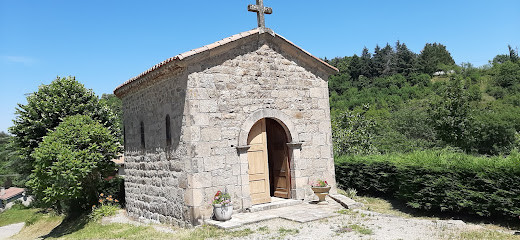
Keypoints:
(71, 223)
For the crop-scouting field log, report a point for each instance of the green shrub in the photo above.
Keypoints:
(71, 162)
(352, 133)
(115, 187)
(104, 210)
(438, 181)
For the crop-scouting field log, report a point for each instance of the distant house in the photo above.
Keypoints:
(442, 73)
(8, 196)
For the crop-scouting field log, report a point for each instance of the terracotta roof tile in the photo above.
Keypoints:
(11, 192)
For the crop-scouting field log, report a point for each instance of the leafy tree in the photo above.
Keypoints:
(71, 163)
(116, 106)
(451, 117)
(340, 82)
(352, 133)
(506, 74)
(492, 133)
(499, 59)
(420, 79)
(46, 108)
(355, 67)
(7, 159)
(432, 56)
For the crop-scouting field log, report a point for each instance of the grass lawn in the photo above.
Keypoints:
(16, 214)
(51, 226)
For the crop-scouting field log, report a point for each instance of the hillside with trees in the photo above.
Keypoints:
(438, 137)
(395, 100)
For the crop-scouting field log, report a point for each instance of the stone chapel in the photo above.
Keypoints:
(248, 114)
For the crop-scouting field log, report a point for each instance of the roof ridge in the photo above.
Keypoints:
(184, 55)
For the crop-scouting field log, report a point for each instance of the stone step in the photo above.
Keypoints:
(275, 203)
(346, 201)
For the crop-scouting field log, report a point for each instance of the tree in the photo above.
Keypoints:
(44, 111)
(352, 133)
(506, 74)
(432, 56)
(116, 106)
(355, 67)
(71, 163)
(366, 63)
(451, 117)
(513, 54)
(404, 60)
(384, 61)
(7, 159)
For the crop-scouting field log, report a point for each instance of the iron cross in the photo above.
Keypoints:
(260, 11)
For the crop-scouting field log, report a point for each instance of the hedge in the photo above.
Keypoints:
(438, 181)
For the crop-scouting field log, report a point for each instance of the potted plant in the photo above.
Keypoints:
(222, 207)
(320, 188)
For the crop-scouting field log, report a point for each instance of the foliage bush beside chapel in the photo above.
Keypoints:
(438, 136)
(65, 138)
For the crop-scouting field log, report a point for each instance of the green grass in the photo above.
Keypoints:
(385, 207)
(287, 231)
(105, 210)
(356, 228)
(361, 229)
(95, 230)
(39, 226)
(17, 214)
(50, 226)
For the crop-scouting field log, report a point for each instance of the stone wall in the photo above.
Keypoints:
(224, 91)
(156, 174)
(212, 102)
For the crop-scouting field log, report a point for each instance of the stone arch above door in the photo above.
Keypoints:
(284, 120)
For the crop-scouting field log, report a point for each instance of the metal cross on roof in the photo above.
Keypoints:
(260, 11)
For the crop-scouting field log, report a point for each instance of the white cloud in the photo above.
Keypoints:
(18, 59)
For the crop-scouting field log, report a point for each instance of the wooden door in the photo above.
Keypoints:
(258, 164)
(278, 159)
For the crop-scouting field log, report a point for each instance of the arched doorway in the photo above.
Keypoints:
(268, 160)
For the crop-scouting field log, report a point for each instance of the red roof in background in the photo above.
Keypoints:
(11, 192)
(120, 160)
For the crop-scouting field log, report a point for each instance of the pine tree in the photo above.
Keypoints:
(433, 56)
(404, 60)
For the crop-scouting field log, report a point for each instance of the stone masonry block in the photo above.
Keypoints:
(199, 180)
(316, 93)
(210, 134)
(213, 163)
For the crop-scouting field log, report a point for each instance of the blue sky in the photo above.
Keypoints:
(104, 43)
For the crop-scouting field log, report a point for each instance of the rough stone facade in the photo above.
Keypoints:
(213, 97)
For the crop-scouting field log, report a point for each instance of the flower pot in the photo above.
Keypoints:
(222, 213)
(321, 192)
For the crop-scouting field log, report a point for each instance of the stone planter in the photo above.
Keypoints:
(222, 213)
(321, 192)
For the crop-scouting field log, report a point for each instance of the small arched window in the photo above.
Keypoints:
(142, 136)
(168, 131)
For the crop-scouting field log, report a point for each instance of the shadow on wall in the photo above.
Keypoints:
(159, 126)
